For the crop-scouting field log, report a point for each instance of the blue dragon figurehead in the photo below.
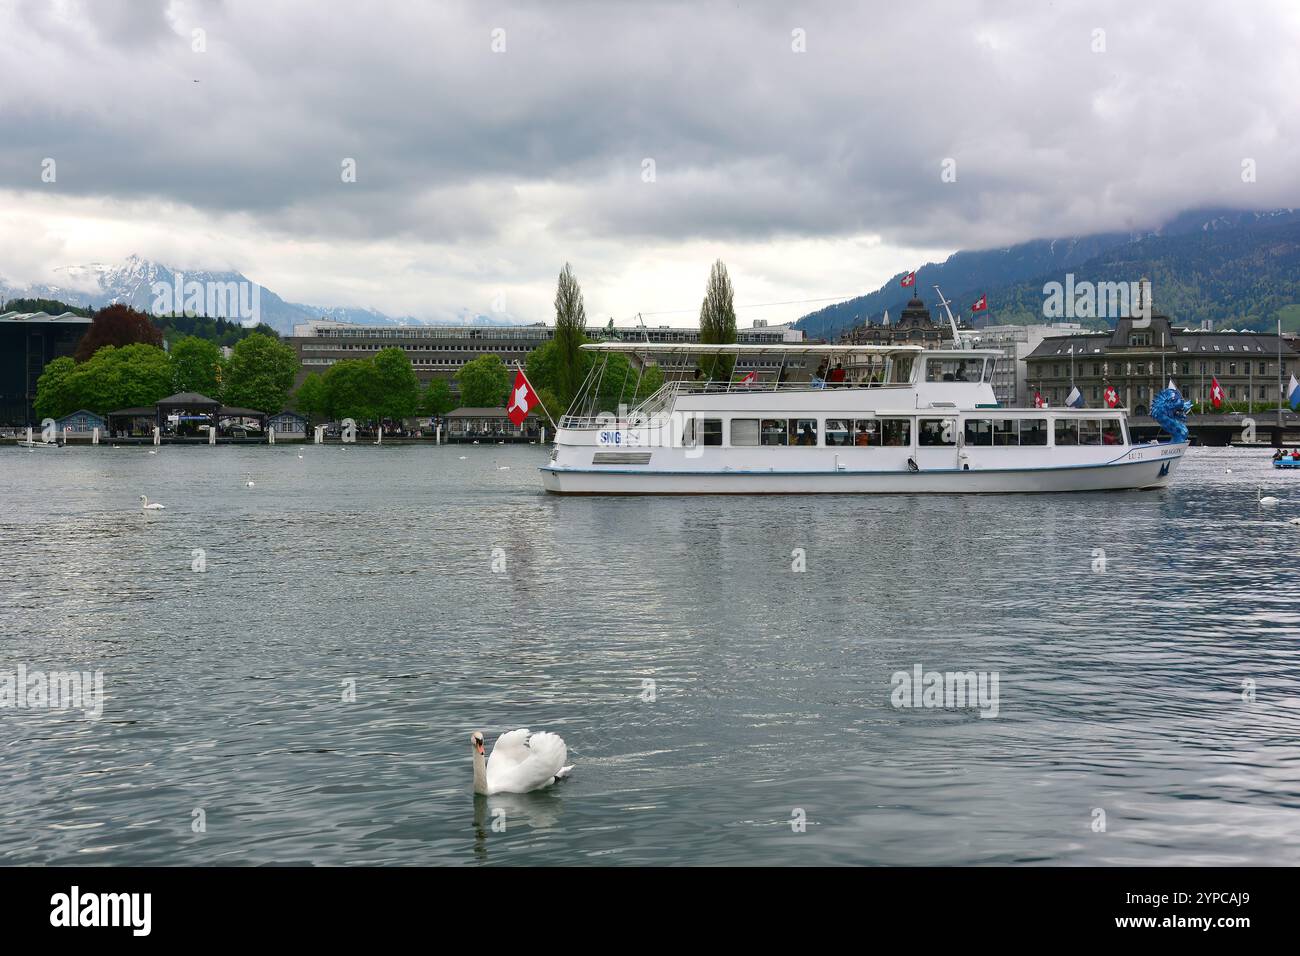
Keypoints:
(1169, 409)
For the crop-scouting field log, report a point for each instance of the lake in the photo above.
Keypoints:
(723, 669)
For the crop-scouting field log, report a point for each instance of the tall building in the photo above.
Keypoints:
(28, 342)
(1016, 343)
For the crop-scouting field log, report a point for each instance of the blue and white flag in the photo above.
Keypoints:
(1293, 393)
(1075, 399)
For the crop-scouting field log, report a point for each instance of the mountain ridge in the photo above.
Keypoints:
(1177, 257)
(97, 284)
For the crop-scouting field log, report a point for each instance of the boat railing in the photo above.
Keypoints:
(662, 399)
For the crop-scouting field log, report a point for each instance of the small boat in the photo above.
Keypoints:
(1287, 462)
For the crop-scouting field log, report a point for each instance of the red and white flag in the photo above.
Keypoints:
(1038, 399)
(908, 280)
(1112, 396)
(1216, 393)
(981, 305)
(522, 399)
(749, 379)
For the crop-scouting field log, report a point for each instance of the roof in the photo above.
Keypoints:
(139, 410)
(1181, 342)
(67, 318)
(243, 412)
(188, 398)
(736, 348)
(481, 412)
(82, 411)
(288, 414)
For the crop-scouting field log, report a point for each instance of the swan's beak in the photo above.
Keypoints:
(479, 745)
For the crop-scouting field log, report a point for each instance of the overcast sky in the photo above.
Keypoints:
(480, 171)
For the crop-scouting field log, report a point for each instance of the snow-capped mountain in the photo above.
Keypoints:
(151, 286)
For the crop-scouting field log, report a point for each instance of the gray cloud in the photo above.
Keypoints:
(752, 142)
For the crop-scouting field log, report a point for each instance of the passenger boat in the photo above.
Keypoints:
(913, 421)
(1286, 462)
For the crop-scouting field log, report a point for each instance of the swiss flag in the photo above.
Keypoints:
(1216, 393)
(1112, 396)
(522, 399)
(1038, 399)
(749, 379)
(908, 280)
(981, 305)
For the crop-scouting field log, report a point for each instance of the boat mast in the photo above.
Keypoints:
(956, 336)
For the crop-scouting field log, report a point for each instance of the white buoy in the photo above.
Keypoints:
(94, 436)
(29, 436)
(380, 439)
(270, 434)
(66, 429)
(543, 441)
(157, 435)
(437, 434)
(320, 434)
(212, 434)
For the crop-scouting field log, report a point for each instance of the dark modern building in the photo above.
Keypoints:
(28, 342)
(1139, 360)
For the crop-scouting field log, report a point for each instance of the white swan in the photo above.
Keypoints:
(1293, 520)
(1266, 501)
(520, 762)
(145, 505)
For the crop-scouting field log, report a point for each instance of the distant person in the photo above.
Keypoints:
(837, 375)
(807, 436)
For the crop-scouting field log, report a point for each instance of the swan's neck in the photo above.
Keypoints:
(480, 773)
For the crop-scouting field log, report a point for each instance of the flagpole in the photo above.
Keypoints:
(538, 394)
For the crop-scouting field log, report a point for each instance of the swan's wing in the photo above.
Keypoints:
(510, 750)
(549, 752)
(545, 755)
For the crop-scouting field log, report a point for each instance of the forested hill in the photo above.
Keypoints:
(1238, 269)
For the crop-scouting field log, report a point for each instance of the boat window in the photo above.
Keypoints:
(1111, 433)
(979, 431)
(866, 433)
(937, 431)
(1033, 431)
(1090, 431)
(1005, 432)
(896, 432)
(772, 431)
(837, 431)
(953, 370)
(744, 432)
(803, 431)
(900, 369)
(1067, 431)
(988, 370)
(712, 431)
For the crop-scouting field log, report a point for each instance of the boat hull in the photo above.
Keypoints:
(1153, 470)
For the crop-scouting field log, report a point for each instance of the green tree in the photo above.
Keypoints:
(120, 378)
(437, 399)
(54, 394)
(350, 387)
(570, 334)
(484, 382)
(718, 323)
(262, 370)
(197, 367)
(311, 398)
(397, 393)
